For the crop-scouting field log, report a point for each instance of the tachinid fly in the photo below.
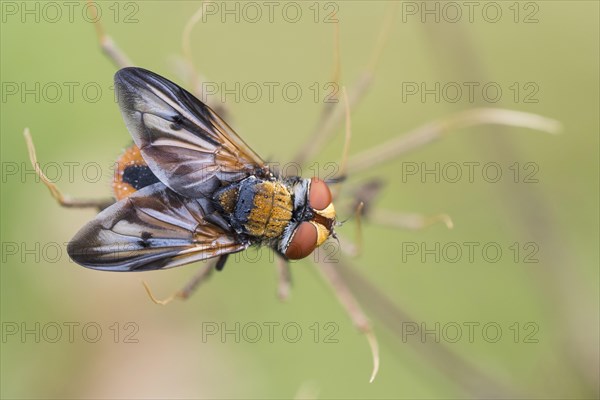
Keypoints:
(191, 189)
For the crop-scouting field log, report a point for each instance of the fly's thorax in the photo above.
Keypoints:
(256, 207)
(313, 219)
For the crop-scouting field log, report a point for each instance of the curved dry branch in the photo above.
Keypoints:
(430, 132)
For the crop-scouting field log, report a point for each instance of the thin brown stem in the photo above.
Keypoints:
(332, 115)
(430, 132)
(346, 298)
(108, 46)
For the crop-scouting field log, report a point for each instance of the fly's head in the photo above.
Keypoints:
(314, 218)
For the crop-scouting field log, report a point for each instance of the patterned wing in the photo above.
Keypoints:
(154, 228)
(185, 143)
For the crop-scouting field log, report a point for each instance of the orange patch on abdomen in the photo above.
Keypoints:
(130, 158)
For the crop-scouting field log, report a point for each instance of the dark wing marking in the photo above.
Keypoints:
(154, 228)
(138, 176)
(185, 143)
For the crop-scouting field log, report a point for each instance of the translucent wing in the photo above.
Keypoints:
(185, 143)
(154, 228)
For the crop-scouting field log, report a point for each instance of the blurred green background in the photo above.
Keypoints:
(552, 44)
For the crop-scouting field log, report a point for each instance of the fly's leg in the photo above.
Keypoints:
(62, 199)
(346, 298)
(284, 279)
(185, 292)
(331, 115)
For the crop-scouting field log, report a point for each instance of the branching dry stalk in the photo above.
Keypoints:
(430, 132)
(108, 46)
(332, 114)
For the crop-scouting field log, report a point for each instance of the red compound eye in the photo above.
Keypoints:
(319, 197)
(303, 242)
